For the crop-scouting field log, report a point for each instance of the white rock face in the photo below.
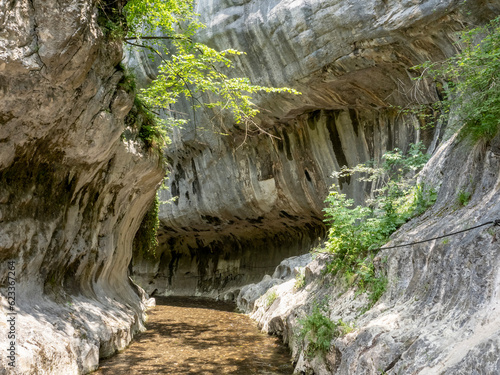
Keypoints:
(72, 192)
(246, 203)
(439, 314)
(339, 53)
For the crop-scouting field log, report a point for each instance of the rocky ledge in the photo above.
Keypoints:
(439, 313)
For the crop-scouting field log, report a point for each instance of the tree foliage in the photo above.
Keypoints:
(357, 231)
(187, 68)
(473, 80)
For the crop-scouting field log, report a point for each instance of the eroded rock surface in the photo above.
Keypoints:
(239, 213)
(73, 190)
(439, 314)
(352, 61)
(246, 201)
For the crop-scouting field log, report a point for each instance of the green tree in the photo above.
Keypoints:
(187, 68)
(472, 79)
(167, 28)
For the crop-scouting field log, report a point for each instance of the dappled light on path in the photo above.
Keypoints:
(202, 337)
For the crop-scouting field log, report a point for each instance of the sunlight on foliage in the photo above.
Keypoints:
(355, 231)
(270, 298)
(187, 68)
(473, 80)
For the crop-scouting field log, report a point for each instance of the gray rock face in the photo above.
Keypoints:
(285, 271)
(351, 60)
(240, 212)
(339, 53)
(439, 314)
(72, 191)
(254, 200)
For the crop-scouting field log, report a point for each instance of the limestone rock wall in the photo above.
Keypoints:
(339, 54)
(240, 211)
(73, 189)
(439, 314)
(353, 62)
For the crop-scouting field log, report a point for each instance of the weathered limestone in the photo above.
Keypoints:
(73, 191)
(353, 62)
(439, 314)
(239, 212)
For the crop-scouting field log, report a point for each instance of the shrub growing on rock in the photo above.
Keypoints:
(356, 232)
(473, 80)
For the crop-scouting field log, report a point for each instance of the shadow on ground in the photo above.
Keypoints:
(199, 337)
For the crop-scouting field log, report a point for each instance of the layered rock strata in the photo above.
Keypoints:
(439, 314)
(353, 62)
(74, 186)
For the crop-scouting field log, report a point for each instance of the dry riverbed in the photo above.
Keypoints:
(202, 337)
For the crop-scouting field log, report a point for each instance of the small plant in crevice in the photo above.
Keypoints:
(152, 130)
(356, 232)
(128, 81)
(300, 280)
(271, 296)
(464, 197)
(145, 240)
(319, 331)
(368, 280)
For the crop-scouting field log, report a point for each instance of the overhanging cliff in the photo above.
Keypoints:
(74, 186)
(245, 201)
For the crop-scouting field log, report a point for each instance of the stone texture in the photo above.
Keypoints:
(439, 314)
(73, 191)
(261, 195)
(352, 61)
(340, 54)
(262, 202)
(286, 270)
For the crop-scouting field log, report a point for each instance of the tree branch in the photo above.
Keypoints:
(159, 38)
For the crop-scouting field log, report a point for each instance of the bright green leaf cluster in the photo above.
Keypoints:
(473, 80)
(187, 68)
(173, 18)
(320, 330)
(354, 231)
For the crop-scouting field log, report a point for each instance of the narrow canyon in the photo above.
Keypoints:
(241, 206)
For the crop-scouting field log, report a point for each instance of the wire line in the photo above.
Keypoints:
(495, 222)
